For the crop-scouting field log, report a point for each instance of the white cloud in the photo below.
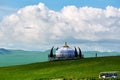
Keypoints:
(38, 25)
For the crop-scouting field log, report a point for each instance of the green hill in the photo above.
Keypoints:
(68, 69)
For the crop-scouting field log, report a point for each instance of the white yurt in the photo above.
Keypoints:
(65, 52)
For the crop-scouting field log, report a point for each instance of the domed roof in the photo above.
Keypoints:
(65, 52)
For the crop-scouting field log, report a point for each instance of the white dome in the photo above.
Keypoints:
(65, 52)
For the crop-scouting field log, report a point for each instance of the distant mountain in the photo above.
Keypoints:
(18, 57)
(4, 51)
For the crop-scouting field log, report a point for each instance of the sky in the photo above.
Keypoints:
(41, 24)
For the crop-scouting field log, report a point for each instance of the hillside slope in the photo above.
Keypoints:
(82, 68)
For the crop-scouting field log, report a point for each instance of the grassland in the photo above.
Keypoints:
(68, 69)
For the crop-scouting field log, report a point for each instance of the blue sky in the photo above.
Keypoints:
(58, 4)
(98, 23)
(7, 5)
(10, 6)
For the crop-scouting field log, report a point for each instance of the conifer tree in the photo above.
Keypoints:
(51, 52)
(80, 53)
(76, 53)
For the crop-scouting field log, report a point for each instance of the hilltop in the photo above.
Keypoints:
(68, 69)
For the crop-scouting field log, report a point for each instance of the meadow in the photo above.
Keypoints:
(87, 68)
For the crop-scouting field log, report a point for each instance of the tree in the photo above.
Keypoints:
(76, 53)
(51, 52)
(80, 53)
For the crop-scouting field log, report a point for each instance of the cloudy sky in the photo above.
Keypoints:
(41, 24)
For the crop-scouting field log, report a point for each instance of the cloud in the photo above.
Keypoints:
(38, 25)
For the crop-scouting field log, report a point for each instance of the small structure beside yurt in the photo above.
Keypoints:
(65, 52)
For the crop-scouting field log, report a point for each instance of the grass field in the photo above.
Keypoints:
(69, 69)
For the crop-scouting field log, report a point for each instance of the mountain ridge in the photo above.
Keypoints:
(18, 57)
